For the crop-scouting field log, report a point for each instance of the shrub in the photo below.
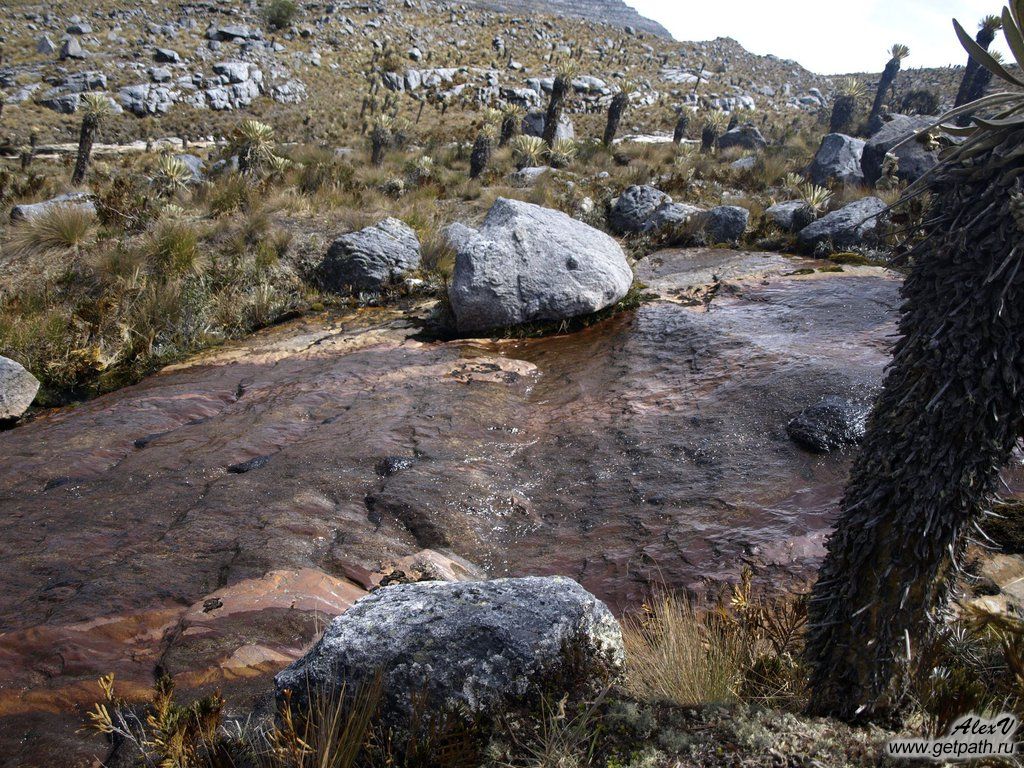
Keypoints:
(280, 13)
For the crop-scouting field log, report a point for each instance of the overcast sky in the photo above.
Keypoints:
(828, 36)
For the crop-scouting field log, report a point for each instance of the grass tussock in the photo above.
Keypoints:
(59, 228)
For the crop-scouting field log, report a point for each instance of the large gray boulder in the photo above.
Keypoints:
(478, 645)
(725, 223)
(528, 264)
(743, 136)
(915, 159)
(838, 159)
(533, 125)
(18, 389)
(634, 209)
(369, 260)
(29, 211)
(854, 224)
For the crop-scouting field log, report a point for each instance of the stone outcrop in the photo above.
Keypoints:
(479, 645)
(18, 389)
(371, 259)
(532, 264)
(838, 159)
(915, 159)
(852, 225)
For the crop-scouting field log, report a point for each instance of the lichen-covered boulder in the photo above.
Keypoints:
(370, 259)
(477, 645)
(18, 389)
(532, 264)
(828, 425)
(633, 210)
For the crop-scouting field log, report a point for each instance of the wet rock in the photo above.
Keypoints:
(725, 223)
(529, 264)
(369, 260)
(18, 389)
(479, 645)
(743, 136)
(915, 159)
(829, 425)
(838, 159)
(634, 209)
(533, 125)
(852, 225)
(29, 211)
(791, 216)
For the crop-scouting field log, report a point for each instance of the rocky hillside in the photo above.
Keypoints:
(613, 12)
(188, 68)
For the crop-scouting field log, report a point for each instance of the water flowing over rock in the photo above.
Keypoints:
(532, 264)
(648, 448)
(18, 389)
(369, 260)
(482, 645)
(828, 425)
(915, 159)
(852, 225)
(837, 159)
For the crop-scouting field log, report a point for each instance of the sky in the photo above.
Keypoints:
(827, 36)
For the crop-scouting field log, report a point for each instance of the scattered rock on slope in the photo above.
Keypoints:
(370, 259)
(743, 136)
(18, 389)
(527, 264)
(477, 644)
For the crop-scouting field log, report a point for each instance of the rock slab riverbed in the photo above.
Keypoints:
(205, 522)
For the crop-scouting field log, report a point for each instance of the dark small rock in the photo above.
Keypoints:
(828, 425)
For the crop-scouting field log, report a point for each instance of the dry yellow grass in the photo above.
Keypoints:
(678, 655)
